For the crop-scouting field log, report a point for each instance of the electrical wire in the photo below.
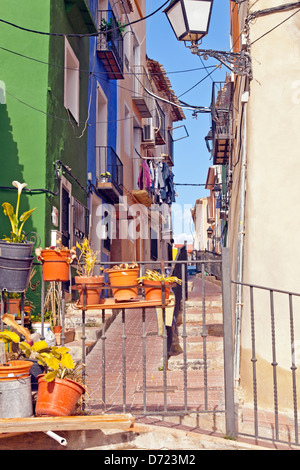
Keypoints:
(275, 27)
(81, 35)
(104, 72)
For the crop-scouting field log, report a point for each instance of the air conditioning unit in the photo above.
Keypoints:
(148, 133)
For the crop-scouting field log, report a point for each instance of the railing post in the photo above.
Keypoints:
(228, 344)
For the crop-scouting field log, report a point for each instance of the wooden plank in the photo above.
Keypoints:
(110, 303)
(66, 423)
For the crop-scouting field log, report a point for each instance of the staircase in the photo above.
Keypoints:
(196, 333)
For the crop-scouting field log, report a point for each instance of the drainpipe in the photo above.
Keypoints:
(240, 253)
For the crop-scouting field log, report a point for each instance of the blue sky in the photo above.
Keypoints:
(191, 156)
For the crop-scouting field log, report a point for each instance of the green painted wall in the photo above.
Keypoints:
(23, 122)
(66, 139)
(35, 129)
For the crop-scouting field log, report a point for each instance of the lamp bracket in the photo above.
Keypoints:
(237, 62)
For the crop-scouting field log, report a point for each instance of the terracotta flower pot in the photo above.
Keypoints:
(12, 306)
(123, 283)
(56, 265)
(153, 290)
(93, 289)
(57, 398)
(13, 370)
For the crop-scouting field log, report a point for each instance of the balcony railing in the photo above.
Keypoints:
(159, 125)
(142, 99)
(108, 161)
(110, 44)
(221, 122)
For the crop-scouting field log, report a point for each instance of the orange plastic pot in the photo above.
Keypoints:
(123, 283)
(13, 370)
(153, 290)
(56, 265)
(57, 398)
(93, 289)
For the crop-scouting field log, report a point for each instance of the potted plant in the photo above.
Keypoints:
(105, 177)
(86, 261)
(56, 261)
(60, 388)
(152, 282)
(15, 381)
(12, 302)
(110, 30)
(15, 251)
(123, 279)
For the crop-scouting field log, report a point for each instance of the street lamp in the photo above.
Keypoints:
(190, 20)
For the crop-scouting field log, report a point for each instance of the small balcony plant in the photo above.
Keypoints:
(105, 177)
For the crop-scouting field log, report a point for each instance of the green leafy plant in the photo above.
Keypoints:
(107, 28)
(156, 276)
(56, 360)
(17, 223)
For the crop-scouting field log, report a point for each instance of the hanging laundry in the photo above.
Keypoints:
(144, 180)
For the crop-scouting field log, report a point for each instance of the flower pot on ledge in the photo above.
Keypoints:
(153, 290)
(123, 283)
(93, 289)
(57, 398)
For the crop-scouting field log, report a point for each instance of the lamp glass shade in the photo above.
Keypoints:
(189, 18)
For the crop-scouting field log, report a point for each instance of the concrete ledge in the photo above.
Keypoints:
(139, 437)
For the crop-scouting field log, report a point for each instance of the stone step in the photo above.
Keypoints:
(215, 303)
(195, 344)
(211, 317)
(195, 361)
(196, 329)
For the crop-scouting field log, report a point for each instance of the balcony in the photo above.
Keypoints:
(110, 44)
(108, 161)
(143, 100)
(221, 135)
(168, 150)
(160, 126)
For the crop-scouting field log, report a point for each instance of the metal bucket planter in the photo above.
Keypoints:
(16, 398)
(15, 265)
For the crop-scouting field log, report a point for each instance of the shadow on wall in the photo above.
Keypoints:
(11, 170)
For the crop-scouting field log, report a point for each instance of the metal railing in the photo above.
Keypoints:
(269, 318)
(110, 37)
(108, 160)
